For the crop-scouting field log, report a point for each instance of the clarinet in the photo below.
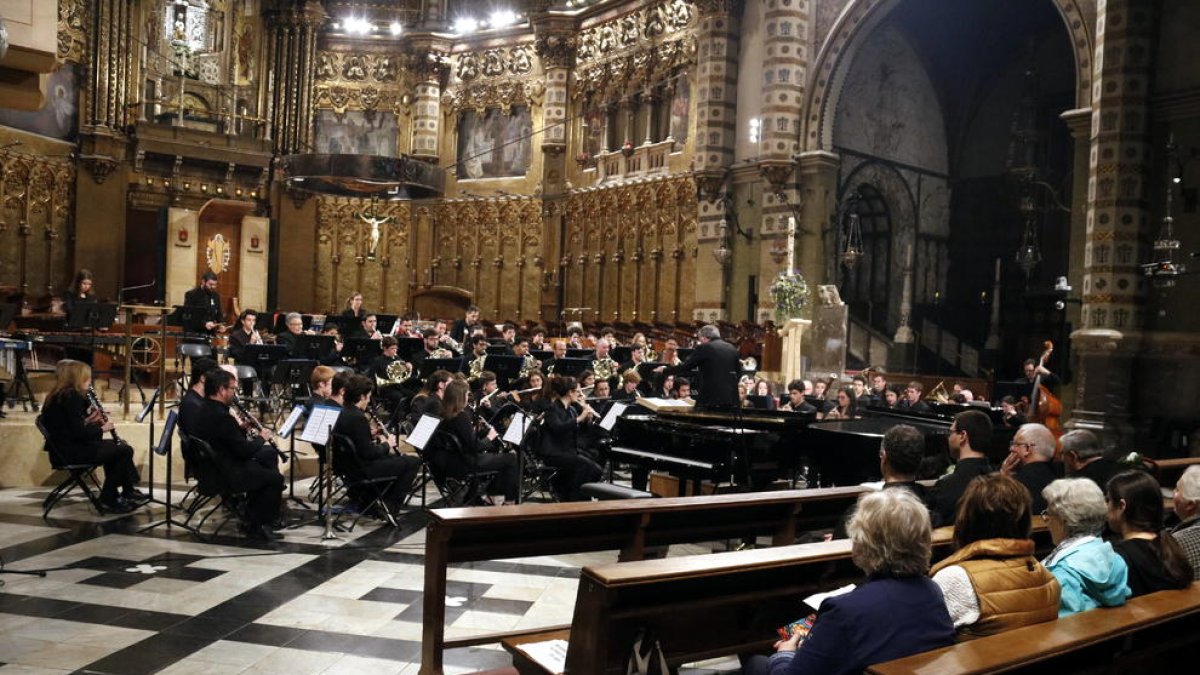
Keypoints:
(380, 427)
(247, 418)
(95, 403)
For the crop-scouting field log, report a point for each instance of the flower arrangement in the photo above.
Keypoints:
(789, 292)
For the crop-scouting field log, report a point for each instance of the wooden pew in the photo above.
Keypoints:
(701, 607)
(1157, 631)
(629, 526)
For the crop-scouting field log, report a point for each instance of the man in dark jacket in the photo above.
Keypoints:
(237, 456)
(971, 429)
(205, 295)
(719, 367)
(1083, 457)
(1031, 461)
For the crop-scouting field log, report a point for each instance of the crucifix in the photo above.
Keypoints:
(372, 218)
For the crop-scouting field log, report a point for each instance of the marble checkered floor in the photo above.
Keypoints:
(115, 600)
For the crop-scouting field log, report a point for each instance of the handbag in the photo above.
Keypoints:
(647, 656)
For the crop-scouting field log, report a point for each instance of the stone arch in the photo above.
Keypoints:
(860, 17)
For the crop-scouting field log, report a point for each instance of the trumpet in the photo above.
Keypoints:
(254, 428)
(95, 403)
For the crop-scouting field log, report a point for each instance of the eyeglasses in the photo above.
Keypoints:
(1016, 444)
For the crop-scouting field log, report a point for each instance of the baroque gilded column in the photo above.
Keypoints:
(1118, 217)
(293, 27)
(716, 126)
(429, 65)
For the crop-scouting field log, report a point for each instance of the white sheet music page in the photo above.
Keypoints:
(289, 424)
(321, 420)
(610, 418)
(515, 432)
(421, 434)
(551, 654)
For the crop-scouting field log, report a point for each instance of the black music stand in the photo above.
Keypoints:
(312, 347)
(148, 411)
(573, 353)
(684, 353)
(92, 316)
(362, 350)
(498, 349)
(384, 322)
(571, 367)
(293, 375)
(293, 417)
(451, 365)
(163, 449)
(8, 312)
(542, 355)
(621, 354)
(192, 320)
(506, 367)
(407, 346)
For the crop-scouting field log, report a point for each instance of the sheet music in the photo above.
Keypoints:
(516, 429)
(164, 441)
(551, 654)
(610, 418)
(420, 435)
(816, 599)
(290, 423)
(320, 422)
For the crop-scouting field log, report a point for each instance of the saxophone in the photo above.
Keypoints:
(397, 372)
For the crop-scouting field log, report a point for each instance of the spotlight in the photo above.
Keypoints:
(502, 18)
(465, 25)
(396, 27)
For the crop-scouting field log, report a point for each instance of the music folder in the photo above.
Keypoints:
(164, 441)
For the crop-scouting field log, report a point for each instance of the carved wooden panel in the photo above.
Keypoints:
(35, 218)
(353, 256)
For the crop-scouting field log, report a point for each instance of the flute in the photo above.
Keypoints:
(95, 403)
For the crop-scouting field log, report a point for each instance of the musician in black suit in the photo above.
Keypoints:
(368, 457)
(205, 295)
(76, 430)
(912, 399)
(462, 328)
(237, 455)
(193, 400)
(561, 435)
(1030, 372)
(472, 458)
(295, 328)
(719, 367)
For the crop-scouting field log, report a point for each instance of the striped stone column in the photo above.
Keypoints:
(429, 68)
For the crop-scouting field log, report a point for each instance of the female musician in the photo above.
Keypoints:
(76, 431)
(601, 391)
(367, 458)
(80, 292)
(666, 386)
(629, 386)
(560, 437)
(532, 401)
(763, 388)
(457, 421)
(640, 344)
(846, 406)
(891, 397)
(244, 335)
(428, 401)
(354, 307)
(587, 379)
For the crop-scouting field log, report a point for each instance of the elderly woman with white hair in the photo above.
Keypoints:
(1187, 507)
(896, 612)
(1089, 571)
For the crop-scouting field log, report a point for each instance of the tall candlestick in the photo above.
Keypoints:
(791, 244)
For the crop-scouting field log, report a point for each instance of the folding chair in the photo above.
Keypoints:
(374, 489)
(462, 490)
(78, 475)
(189, 352)
(213, 484)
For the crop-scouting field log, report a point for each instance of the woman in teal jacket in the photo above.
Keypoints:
(1088, 569)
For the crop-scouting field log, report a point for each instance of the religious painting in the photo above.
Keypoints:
(680, 103)
(495, 144)
(356, 133)
(59, 113)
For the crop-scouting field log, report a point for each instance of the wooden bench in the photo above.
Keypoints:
(628, 526)
(700, 607)
(1159, 632)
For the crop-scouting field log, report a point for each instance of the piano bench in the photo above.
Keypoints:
(607, 491)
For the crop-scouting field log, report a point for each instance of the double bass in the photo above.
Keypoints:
(1044, 407)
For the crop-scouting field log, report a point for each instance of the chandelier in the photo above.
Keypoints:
(849, 223)
(722, 253)
(1163, 270)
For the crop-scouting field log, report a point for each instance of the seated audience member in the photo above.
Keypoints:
(368, 457)
(1089, 571)
(1031, 461)
(992, 582)
(891, 543)
(561, 438)
(1135, 513)
(969, 433)
(1083, 457)
(900, 456)
(1187, 508)
(472, 456)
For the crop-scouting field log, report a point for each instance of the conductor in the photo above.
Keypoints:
(719, 365)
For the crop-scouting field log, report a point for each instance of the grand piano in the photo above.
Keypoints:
(749, 449)
(745, 448)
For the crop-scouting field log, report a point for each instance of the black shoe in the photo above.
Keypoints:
(263, 532)
(116, 506)
(137, 497)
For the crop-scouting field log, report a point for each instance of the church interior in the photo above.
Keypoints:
(936, 192)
